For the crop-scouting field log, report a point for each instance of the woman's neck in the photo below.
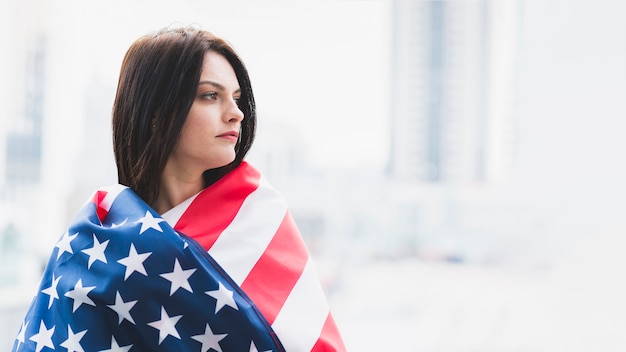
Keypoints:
(175, 189)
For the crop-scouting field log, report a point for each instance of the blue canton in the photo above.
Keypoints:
(132, 283)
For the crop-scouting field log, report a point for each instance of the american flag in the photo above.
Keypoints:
(122, 279)
(245, 224)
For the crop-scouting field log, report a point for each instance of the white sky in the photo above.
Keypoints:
(572, 105)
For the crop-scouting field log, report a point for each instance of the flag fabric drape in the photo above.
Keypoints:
(245, 224)
(122, 279)
(226, 270)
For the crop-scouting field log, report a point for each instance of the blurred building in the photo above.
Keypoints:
(453, 123)
(453, 130)
(21, 137)
(24, 137)
(22, 95)
(453, 66)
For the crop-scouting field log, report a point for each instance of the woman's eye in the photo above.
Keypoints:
(210, 96)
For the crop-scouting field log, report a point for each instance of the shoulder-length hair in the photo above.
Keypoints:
(157, 85)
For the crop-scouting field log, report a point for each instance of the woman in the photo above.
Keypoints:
(124, 278)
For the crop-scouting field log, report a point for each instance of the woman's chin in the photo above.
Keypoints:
(223, 162)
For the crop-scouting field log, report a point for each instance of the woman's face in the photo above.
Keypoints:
(211, 129)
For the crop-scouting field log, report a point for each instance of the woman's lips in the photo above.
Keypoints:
(230, 135)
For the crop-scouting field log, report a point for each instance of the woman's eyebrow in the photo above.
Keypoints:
(216, 85)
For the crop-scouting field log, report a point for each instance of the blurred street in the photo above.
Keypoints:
(411, 305)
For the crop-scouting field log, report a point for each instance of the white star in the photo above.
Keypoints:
(73, 340)
(116, 348)
(64, 244)
(79, 295)
(179, 278)
(134, 262)
(20, 336)
(96, 252)
(209, 340)
(43, 337)
(52, 290)
(150, 222)
(254, 349)
(122, 308)
(114, 225)
(166, 325)
(224, 297)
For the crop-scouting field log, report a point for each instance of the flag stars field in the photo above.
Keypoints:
(122, 308)
(166, 326)
(52, 290)
(209, 340)
(113, 226)
(115, 347)
(150, 222)
(254, 349)
(96, 252)
(224, 297)
(73, 340)
(134, 262)
(43, 338)
(179, 278)
(65, 244)
(22, 334)
(79, 295)
(73, 310)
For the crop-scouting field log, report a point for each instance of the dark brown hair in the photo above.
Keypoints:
(157, 85)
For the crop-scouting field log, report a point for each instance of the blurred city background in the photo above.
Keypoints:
(456, 167)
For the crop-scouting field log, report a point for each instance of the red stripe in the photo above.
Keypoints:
(229, 193)
(275, 274)
(330, 340)
(97, 200)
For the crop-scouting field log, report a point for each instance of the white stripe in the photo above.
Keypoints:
(299, 323)
(112, 193)
(173, 215)
(244, 241)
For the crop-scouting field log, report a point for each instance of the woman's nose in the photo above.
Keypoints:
(233, 112)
